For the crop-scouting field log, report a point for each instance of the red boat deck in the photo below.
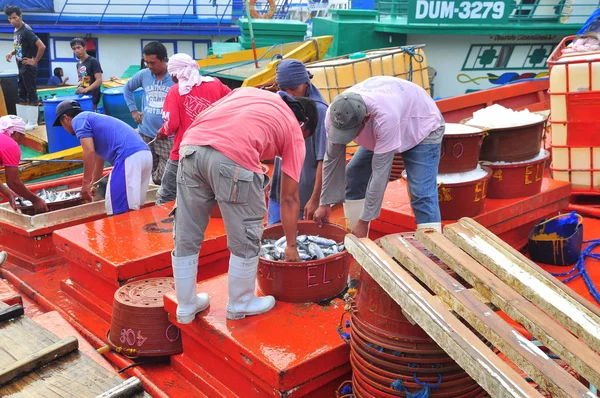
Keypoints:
(103, 255)
(30, 244)
(82, 287)
(293, 348)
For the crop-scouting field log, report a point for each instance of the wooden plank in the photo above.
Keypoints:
(533, 268)
(493, 374)
(20, 338)
(38, 359)
(11, 312)
(529, 282)
(72, 376)
(484, 300)
(56, 324)
(128, 388)
(543, 370)
(570, 349)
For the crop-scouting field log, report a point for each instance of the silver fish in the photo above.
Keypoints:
(263, 252)
(281, 242)
(305, 257)
(279, 253)
(302, 246)
(309, 248)
(54, 196)
(315, 250)
(322, 241)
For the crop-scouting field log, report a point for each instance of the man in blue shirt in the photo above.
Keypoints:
(293, 78)
(107, 138)
(156, 83)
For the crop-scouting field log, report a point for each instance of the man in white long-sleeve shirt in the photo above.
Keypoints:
(384, 115)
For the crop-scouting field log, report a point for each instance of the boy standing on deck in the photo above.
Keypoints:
(156, 83)
(190, 95)
(28, 50)
(107, 138)
(89, 72)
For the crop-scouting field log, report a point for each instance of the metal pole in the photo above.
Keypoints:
(251, 32)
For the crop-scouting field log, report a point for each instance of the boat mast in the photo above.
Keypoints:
(251, 33)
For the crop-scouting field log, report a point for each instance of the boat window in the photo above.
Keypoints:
(508, 56)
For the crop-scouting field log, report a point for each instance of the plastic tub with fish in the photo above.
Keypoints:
(55, 200)
(322, 275)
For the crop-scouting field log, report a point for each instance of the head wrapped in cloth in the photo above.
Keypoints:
(11, 124)
(291, 73)
(185, 69)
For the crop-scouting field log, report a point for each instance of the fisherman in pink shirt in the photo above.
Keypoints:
(219, 162)
(12, 132)
(384, 115)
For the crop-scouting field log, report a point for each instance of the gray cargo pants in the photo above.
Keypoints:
(206, 177)
(167, 191)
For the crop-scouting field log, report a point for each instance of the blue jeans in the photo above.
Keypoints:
(358, 174)
(274, 213)
(421, 164)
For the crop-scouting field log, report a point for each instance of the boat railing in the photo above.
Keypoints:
(521, 12)
(173, 13)
(207, 15)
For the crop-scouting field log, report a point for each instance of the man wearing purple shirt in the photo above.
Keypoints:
(384, 115)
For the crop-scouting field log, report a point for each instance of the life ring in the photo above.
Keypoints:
(269, 13)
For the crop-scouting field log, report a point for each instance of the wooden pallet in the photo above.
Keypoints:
(558, 317)
(36, 363)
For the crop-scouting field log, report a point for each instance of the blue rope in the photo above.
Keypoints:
(418, 57)
(398, 385)
(580, 270)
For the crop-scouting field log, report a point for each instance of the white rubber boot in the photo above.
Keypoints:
(352, 211)
(22, 112)
(433, 225)
(241, 286)
(32, 117)
(3, 257)
(189, 303)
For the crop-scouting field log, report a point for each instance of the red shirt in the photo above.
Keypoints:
(10, 153)
(250, 125)
(179, 111)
